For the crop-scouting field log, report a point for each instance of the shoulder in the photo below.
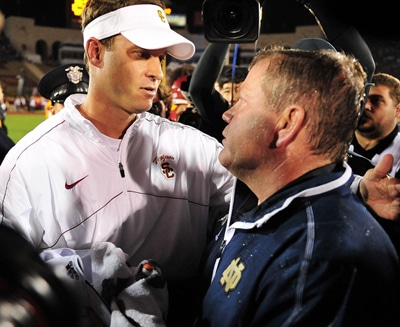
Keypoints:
(178, 131)
(34, 142)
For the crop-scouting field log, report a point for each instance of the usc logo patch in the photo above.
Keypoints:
(167, 170)
(164, 162)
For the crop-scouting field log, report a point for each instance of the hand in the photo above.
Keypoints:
(380, 192)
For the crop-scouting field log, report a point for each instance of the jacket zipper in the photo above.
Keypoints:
(121, 170)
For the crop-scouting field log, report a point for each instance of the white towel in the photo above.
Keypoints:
(117, 294)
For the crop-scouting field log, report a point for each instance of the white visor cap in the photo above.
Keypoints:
(145, 26)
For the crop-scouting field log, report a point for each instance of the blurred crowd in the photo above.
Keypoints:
(7, 51)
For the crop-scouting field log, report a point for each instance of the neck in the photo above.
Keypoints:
(264, 183)
(367, 141)
(107, 121)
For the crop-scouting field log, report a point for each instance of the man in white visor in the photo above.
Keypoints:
(105, 170)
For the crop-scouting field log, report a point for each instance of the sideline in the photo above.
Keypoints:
(36, 112)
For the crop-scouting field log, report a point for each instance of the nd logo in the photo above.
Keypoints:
(232, 275)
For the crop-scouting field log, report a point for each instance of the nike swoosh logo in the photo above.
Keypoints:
(69, 186)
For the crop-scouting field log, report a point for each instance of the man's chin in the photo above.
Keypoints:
(364, 123)
(365, 128)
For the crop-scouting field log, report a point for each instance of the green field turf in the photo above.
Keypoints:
(20, 124)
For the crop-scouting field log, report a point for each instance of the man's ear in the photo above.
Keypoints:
(289, 124)
(398, 112)
(93, 51)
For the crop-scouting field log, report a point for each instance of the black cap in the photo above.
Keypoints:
(63, 81)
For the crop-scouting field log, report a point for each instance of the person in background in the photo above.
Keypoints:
(20, 103)
(377, 132)
(60, 83)
(103, 169)
(6, 143)
(162, 102)
(299, 249)
(180, 102)
(229, 81)
(211, 87)
(182, 109)
(3, 109)
(36, 101)
(180, 71)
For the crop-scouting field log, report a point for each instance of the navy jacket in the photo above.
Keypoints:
(310, 255)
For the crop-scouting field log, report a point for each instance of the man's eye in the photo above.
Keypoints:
(142, 54)
(375, 100)
(145, 55)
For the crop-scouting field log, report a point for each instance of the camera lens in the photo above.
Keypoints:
(231, 19)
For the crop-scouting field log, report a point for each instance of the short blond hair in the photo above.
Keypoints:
(328, 84)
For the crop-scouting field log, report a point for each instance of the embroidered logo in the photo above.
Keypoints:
(163, 162)
(232, 275)
(161, 15)
(69, 186)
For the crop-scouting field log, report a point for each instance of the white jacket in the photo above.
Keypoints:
(62, 185)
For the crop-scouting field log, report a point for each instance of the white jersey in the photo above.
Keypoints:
(394, 150)
(67, 185)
